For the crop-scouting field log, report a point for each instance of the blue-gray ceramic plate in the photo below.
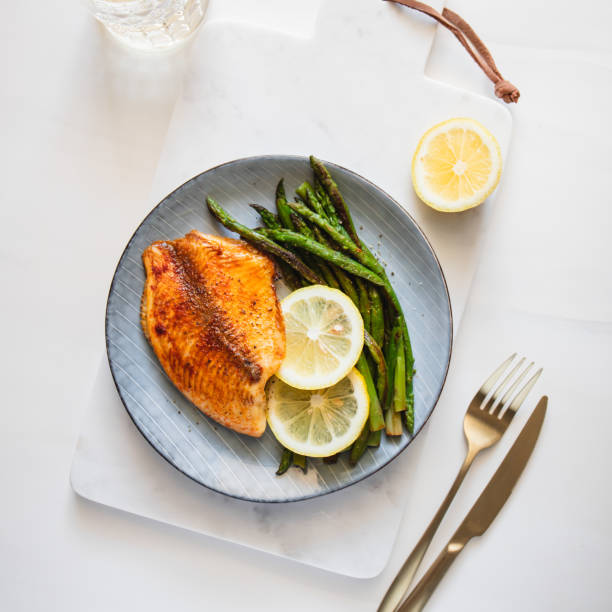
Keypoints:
(212, 455)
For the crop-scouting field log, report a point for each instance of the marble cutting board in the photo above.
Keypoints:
(353, 92)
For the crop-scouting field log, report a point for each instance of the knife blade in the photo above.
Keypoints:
(485, 509)
(502, 483)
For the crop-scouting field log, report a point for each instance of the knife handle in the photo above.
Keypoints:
(401, 583)
(421, 593)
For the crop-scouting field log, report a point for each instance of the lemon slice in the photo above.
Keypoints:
(456, 166)
(324, 332)
(318, 423)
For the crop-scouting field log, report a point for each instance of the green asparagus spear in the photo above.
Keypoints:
(393, 423)
(409, 418)
(344, 281)
(308, 195)
(377, 320)
(399, 391)
(346, 284)
(374, 438)
(344, 215)
(262, 242)
(361, 252)
(328, 275)
(364, 303)
(268, 217)
(342, 261)
(409, 382)
(290, 276)
(301, 462)
(336, 197)
(367, 258)
(300, 225)
(285, 462)
(359, 445)
(320, 267)
(281, 206)
(376, 416)
(391, 360)
(381, 366)
(328, 207)
(344, 241)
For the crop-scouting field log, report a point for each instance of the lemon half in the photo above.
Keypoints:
(324, 337)
(456, 166)
(322, 422)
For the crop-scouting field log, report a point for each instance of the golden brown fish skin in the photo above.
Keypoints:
(210, 311)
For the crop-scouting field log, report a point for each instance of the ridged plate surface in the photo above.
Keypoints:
(212, 455)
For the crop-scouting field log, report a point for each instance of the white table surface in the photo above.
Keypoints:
(84, 126)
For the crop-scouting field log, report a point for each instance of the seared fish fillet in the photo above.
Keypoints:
(210, 312)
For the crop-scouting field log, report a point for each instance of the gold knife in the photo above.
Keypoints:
(483, 511)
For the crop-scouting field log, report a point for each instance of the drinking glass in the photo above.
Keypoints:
(150, 24)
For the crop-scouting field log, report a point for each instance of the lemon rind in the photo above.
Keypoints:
(481, 197)
(312, 386)
(317, 455)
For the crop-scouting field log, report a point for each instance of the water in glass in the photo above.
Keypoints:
(150, 24)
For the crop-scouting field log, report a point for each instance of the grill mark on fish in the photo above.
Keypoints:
(219, 333)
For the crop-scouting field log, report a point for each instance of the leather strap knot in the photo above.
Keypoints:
(506, 91)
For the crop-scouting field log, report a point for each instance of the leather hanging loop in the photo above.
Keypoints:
(472, 44)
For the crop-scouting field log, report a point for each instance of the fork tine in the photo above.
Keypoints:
(520, 396)
(489, 405)
(508, 394)
(488, 384)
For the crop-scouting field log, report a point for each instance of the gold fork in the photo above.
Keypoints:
(483, 425)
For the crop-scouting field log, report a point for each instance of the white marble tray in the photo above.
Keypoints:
(355, 94)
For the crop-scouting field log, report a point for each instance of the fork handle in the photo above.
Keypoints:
(421, 593)
(402, 581)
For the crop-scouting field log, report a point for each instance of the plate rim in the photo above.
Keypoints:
(330, 165)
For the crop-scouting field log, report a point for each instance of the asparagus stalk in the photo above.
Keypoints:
(340, 260)
(364, 303)
(326, 269)
(346, 284)
(377, 420)
(347, 222)
(364, 257)
(336, 197)
(308, 195)
(289, 275)
(318, 266)
(262, 242)
(285, 462)
(359, 445)
(300, 225)
(409, 418)
(301, 462)
(391, 359)
(374, 438)
(393, 423)
(381, 366)
(399, 383)
(268, 217)
(377, 321)
(281, 206)
(328, 207)
(409, 381)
